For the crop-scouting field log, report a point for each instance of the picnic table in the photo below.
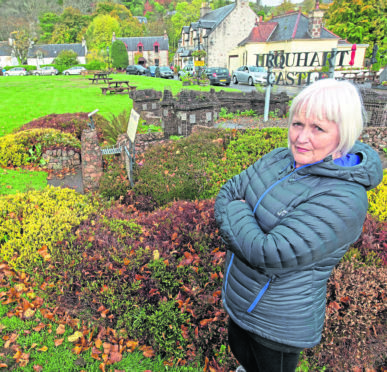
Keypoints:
(104, 76)
(117, 86)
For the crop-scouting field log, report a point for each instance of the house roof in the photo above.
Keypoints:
(52, 50)
(147, 42)
(213, 18)
(260, 33)
(295, 26)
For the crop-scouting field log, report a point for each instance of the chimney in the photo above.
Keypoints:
(315, 21)
(204, 9)
(114, 37)
(165, 35)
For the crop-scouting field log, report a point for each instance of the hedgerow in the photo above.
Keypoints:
(33, 224)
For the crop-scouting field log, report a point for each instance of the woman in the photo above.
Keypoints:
(287, 221)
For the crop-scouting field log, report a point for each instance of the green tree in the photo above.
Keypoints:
(119, 55)
(47, 23)
(360, 22)
(100, 31)
(286, 6)
(65, 59)
(185, 14)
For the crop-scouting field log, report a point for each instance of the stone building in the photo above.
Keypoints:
(217, 32)
(294, 35)
(151, 50)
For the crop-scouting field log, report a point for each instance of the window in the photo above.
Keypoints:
(140, 47)
(157, 61)
(156, 47)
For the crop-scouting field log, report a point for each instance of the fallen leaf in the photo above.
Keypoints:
(131, 345)
(29, 313)
(37, 368)
(39, 327)
(77, 350)
(58, 341)
(115, 357)
(44, 348)
(98, 343)
(61, 329)
(75, 337)
(3, 365)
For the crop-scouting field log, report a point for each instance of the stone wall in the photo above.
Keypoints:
(58, 159)
(147, 103)
(91, 160)
(376, 137)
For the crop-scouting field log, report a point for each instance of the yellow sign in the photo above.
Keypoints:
(199, 63)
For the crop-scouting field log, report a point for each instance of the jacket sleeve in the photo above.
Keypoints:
(329, 220)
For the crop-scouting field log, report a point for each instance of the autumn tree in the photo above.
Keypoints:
(360, 22)
(21, 42)
(100, 31)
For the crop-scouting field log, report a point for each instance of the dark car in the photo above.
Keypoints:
(136, 70)
(151, 71)
(164, 72)
(218, 75)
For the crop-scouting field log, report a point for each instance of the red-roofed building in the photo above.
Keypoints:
(292, 34)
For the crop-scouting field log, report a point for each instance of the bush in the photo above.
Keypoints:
(27, 146)
(73, 123)
(115, 126)
(32, 224)
(176, 170)
(119, 55)
(114, 183)
(355, 327)
(161, 281)
(372, 243)
(66, 59)
(245, 148)
(377, 199)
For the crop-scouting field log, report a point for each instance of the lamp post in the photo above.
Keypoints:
(108, 57)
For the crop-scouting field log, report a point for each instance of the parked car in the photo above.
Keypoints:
(16, 71)
(164, 72)
(45, 70)
(250, 75)
(75, 70)
(151, 71)
(136, 70)
(187, 69)
(218, 75)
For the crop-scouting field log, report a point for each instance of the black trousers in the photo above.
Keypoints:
(255, 357)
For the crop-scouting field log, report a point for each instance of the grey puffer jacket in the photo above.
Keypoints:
(284, 240)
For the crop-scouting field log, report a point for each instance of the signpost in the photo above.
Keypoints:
(131, 152)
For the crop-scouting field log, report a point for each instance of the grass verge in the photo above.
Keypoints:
(21, 180)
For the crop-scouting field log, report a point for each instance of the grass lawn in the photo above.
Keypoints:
(24, 98)
(22, 180)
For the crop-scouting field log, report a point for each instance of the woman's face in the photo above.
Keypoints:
(311, 139)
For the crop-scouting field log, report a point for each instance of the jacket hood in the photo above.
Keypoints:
(368, 173)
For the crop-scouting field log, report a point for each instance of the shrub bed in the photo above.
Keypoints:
(33, 224)
(28, 146)
(73, 123)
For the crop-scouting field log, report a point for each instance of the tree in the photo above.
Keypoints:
(47, 23)
(283, 8)
(360, 22)
(100, 31)
(20, 45)
(66, 59)
(119, 55)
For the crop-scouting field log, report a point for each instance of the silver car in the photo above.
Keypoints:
(46, 70)
(250, 75)
(75, 70)
(16, 71)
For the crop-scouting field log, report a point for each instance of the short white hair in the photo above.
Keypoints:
(334, 100)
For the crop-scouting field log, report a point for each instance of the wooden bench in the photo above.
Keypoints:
(117, 90)
(105, 79)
